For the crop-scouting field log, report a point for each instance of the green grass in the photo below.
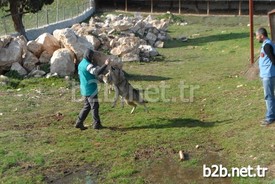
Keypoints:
(221, 115)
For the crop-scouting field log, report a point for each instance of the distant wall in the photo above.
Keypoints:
(236, 7)
(32, 34)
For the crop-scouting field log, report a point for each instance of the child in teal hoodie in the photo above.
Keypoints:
(88, 71)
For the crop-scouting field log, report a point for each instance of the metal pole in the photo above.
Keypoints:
(47, 15)
(251, 11)
(4, 24)
(37, 22)
(77, 9)
(126, 5)
(72, 13)
(57, 10)
(64, 13)
(151, 6)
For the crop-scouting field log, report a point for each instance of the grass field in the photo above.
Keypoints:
(199, 102)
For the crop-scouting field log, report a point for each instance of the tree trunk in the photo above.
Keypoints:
(17, 17)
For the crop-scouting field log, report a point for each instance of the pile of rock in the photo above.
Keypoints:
(126, 38)
(131, 38)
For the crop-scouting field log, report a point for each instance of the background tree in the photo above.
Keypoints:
(18, 8)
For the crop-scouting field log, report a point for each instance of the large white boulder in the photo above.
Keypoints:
(10, 54)
(73, 42)
(93, 40)
(49, 43)
(58, 33)
(62, 62)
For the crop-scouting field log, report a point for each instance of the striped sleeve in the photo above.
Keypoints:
(91, 69)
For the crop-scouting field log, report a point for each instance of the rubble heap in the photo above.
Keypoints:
(125, 38)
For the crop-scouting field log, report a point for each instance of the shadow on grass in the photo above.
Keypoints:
(172, 123)
(219, 37)
(137, 77)
(204, 40)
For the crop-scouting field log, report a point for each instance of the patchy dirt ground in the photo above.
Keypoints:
(79, 174)
(166, 167)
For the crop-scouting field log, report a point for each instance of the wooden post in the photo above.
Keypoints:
(240, 7)
(208, 7)
(126, 5)
(179, 6)
(251, 12)
(151, 6)
(271, 17)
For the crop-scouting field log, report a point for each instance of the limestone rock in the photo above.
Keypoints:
(23, 44)
(4, 80)
(45, 57)
(10, 54)
(73, 42)
(37, 73)
(49, 43)
(130, 57)
(100, 59)
(151, 38)
(17, 67)
(30, 61)
(122, 25)
(93, 40)
(35, 48)
(62, 62)
(159, 44)
(148, 51)
(5, 40)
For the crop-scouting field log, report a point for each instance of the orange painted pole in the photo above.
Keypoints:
(251, 12)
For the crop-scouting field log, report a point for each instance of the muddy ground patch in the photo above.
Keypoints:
(165, 165)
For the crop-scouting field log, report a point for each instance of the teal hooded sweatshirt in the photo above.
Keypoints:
(88, 81)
